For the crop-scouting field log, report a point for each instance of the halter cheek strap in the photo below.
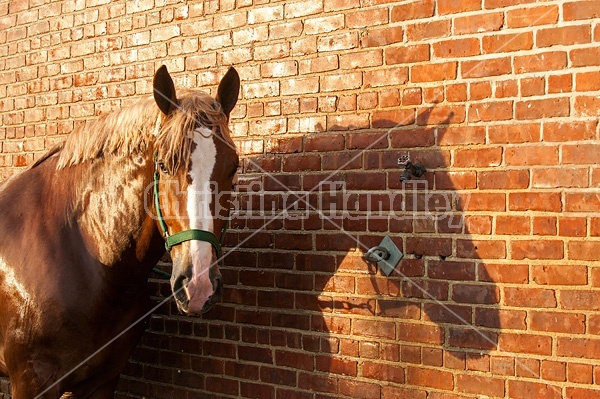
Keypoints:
(185, 235)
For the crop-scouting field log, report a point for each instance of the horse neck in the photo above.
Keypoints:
(111, 210)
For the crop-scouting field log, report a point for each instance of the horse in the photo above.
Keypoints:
(80, 237)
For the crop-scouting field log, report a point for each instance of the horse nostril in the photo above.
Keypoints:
(179, 288)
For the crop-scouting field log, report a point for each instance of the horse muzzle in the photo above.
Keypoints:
(196, 296)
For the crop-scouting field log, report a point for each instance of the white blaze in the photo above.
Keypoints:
(203, 159)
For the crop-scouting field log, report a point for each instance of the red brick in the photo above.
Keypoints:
(587, 105)
(581, 154)
(491, 111)
(337, 5)
(560, 275)
(341, 41)
(447, 313)
(382, 36)
(434, 72)
(429, 246)
(550, 61)
(386, 372)
(222, 385)
(346, 81)
(366, 140)
(420, 333)
(587, 81)
(428, 30)
(581, 10)
(582, 393)
(475, 294)
(525, 343)
(429, 378)
(537, 249)
(406, 54)
(560, 177)
(478, 225)
(532, 16)
(385, 77)
(585, 56)
(530, 297)
(582, 202)
(502, 180)
(460, 135)
(482, 157)
(478, 23)
(586, 348)
(528, 390)
(572, 131)
(507, 42)
(484, 249)
(410, 11)
(503, 365)
(535, 201)
(480, 385)
(512, 225)
(560, 83)
(507, 88)
(553, 370)
(565, 35)
(324, 142)
(478, 362)
(392, 392)
(441, 115)
(546, 108)
(335, 365)
(455, 180)
(374, 329)
(485, 68)
(580, 373)
(583, 250)
(557, 322)
(407, 138)
(317, 383)
(364, 59)
(504, 273)
(532, 86)
(456, 92)
(393, 118)
(456, 48)
(521, 133)
(572, 227)
(532, 155)
(358, 389)
(494, 318)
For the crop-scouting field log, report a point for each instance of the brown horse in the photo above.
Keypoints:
(80, 237)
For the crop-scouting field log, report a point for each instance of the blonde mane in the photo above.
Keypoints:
(134, 129)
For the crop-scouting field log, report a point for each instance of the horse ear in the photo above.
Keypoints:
(228, 91)
(164, 91)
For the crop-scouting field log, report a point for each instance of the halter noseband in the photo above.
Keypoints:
(185, 235)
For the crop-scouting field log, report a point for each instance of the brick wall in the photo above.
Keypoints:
(498, 293)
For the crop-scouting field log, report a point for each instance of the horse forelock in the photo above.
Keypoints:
(133, 130)
(175, 140)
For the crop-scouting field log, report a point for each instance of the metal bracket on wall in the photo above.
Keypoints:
(386, 255)
(410, 169)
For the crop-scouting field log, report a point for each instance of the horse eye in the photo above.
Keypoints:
(163, 168)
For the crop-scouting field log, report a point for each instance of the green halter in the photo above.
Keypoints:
(186, 235)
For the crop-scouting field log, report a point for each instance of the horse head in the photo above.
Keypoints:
(192, 195)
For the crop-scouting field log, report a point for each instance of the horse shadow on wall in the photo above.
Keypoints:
(302, 310)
